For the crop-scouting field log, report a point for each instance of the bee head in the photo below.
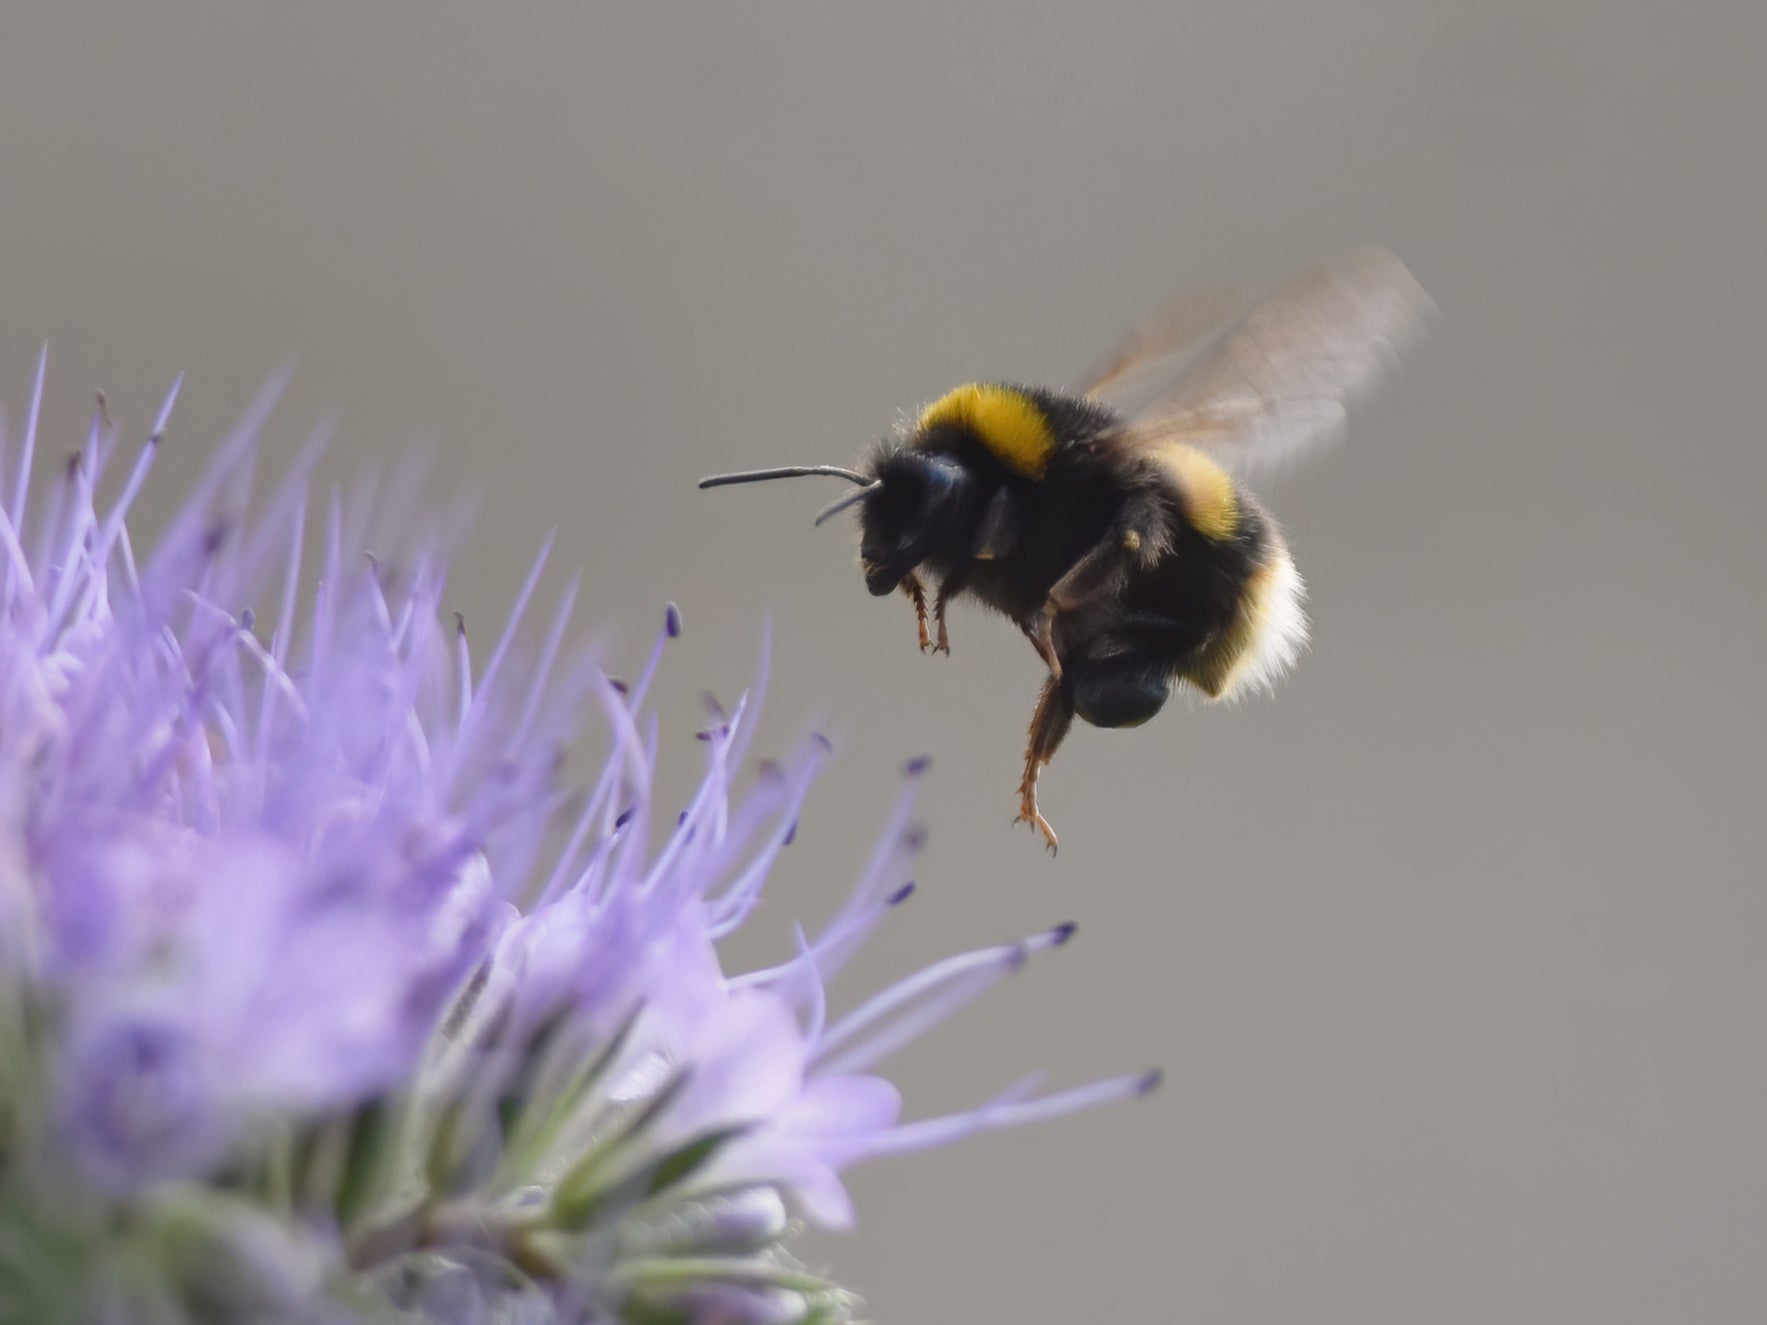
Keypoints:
(907, 499)
(898, 521)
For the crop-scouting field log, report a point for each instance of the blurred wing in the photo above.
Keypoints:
(1281, 381)
(1175, 326)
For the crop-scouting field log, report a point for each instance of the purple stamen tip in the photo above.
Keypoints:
(681, 818)
(672, 621)
(901, 894)
(1150, 1081)
(917, 765)
(460, 624)
(624, 817)
(826, 745)
(247, 619)
(791, 834)
(1062, 933)
(618, 686)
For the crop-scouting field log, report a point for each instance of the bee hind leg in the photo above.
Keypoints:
(1039, 628)
(1136, 541)
(1050, 721)
(1121, 692)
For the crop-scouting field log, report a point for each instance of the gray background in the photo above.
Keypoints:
(1452, 949)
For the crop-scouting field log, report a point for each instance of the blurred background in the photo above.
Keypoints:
(1452, 951)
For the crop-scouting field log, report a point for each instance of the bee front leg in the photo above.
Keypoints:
(912, 586)
(1050, 721)
(949, 588)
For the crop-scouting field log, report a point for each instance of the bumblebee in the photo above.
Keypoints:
(1121, 539)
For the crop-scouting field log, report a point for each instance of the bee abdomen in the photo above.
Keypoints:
(1265, 632)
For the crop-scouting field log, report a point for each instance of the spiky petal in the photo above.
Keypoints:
(311, 962)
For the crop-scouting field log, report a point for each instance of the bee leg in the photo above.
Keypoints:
(1127, 689)
(949, 588)
(1133, 541)
(912, 586)
(1137, 539)
(1049, 724)
(1039, 628)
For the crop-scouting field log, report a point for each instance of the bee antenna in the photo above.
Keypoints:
(788, 471)
(851, 499)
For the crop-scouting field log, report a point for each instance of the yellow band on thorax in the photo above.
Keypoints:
(1007, 422)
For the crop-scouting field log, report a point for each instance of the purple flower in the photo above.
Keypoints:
(298, 910)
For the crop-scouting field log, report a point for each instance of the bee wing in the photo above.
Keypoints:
(1279, 383)
(1177, 325)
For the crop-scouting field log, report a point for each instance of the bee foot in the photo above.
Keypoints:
(1029, 814)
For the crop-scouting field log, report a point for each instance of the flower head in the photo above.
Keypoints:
(315, 962)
